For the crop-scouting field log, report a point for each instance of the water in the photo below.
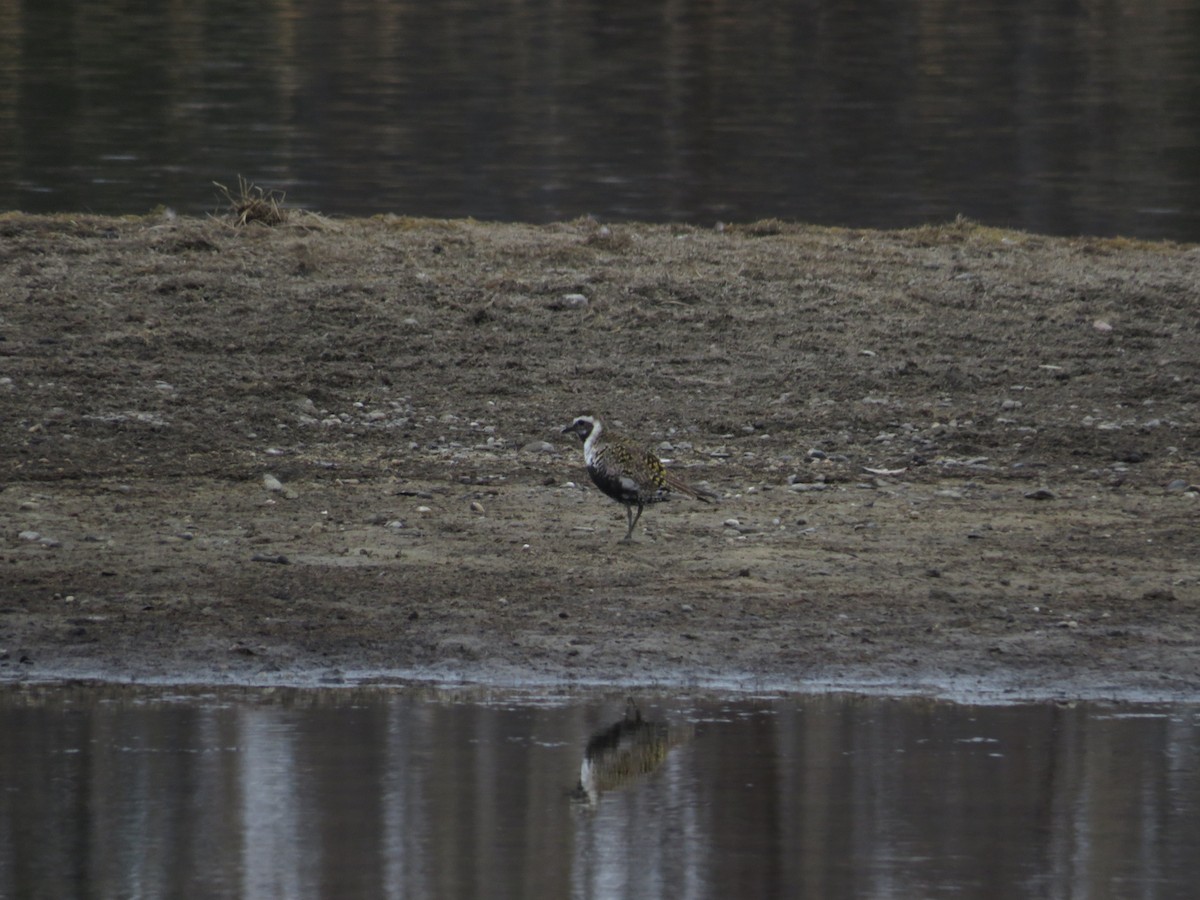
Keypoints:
(385, 793)
(1071, 117)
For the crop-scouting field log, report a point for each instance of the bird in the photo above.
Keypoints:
(631, 475)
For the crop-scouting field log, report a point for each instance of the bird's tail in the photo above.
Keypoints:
(701, 494)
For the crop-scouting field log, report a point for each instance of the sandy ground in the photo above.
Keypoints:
(950, 460)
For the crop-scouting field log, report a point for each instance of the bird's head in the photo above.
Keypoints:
(583, 427)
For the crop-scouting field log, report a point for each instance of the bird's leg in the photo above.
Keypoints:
(629, 519)
(633, 520)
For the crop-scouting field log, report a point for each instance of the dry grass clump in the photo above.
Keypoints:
(251, 203)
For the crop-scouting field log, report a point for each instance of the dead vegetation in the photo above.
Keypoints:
(251, 203)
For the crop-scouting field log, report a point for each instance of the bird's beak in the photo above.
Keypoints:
(568, 429)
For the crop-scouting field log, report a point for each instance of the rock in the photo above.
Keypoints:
(538, 447)
(30, 536)
(1040, 494)
(271, 483)
(1159, 595)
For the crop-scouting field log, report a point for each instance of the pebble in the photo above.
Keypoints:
(476, 507)
(30, 536)
(1177, 485)
(538, 447)
(1040, 494)
(271, 483)
(574, 301)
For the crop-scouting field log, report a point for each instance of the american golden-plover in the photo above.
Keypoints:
(631, 475)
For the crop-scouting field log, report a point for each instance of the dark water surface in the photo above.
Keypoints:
(1064, 117)
(360, 793)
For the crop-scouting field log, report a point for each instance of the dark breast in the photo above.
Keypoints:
(612, 484)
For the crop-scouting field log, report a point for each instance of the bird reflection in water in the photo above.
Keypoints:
(617, 756)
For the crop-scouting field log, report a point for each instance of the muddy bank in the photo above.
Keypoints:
(949, 459)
